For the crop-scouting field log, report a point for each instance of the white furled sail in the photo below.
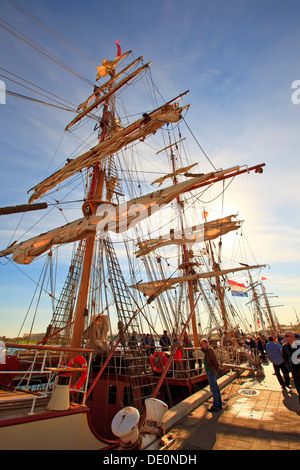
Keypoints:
(190, 235)
(137, 130)
(155, 288)
(115, 218)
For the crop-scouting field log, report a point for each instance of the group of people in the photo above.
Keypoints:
(257, 345)
(283, 352)
(147, 343)
(279, 350)
(285, 357)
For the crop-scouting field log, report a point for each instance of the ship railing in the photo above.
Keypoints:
(236, 356)
(187, 366)
(37, 369)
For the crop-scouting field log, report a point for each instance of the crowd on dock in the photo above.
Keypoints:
(284, 353)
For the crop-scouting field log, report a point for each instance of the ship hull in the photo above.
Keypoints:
(110, 395)
(69, 430)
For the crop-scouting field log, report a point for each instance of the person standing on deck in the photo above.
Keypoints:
(274, 354)
(165, 342)
(211, 367)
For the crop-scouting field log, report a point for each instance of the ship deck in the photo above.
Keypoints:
(19, 406)
(263, 418)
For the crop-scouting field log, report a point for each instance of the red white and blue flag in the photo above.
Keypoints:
(237, 289)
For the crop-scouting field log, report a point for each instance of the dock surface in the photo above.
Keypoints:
(257, 415)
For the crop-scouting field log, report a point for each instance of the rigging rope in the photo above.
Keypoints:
(36, 86)
(29, 98)
(43, 52)
(199, 145)
(50, 30)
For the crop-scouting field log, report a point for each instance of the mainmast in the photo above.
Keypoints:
(95, 193)
(90, 208)
(219, 288)
(186, 257)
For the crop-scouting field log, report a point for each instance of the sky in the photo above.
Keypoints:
(239, 59)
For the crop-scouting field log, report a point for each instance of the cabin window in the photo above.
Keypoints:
(112, 395)
(127, 396)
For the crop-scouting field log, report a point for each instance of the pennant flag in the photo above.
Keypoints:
(238, 290)
(119, 48)
(264, 278)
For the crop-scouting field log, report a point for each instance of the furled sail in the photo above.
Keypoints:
(108, 66)
(165, 114)
(154, 288)
(171, 175)
(99, 89)
(198, 233)
(105, 96)
(115, 218)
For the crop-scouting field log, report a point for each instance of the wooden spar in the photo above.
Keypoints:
(107, 95)
(170, 146)
(163, 284)
(23, 208)
(223, 175)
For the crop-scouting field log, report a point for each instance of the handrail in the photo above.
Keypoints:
(45, 347)
(41, 365)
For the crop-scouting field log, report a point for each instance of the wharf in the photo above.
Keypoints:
(257, 415)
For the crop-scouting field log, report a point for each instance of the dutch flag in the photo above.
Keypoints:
(237, 289)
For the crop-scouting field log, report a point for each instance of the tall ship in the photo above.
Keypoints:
(146, 279)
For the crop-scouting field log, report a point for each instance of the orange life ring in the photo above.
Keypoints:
(79, 360)
(162, 360)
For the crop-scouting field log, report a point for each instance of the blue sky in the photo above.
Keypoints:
(238, 58)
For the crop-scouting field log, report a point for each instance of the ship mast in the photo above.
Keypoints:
(186, 262)
(90, 208)
(95, 193)
(272, 323)
(257, 303)
(219, 288)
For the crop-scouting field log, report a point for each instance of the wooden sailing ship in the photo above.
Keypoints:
(171, 269)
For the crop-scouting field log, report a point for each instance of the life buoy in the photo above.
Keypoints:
(79, 360)
(158, 366)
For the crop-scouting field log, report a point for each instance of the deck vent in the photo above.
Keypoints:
(248, 392)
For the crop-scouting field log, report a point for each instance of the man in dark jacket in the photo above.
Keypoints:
(165, 342)
(211, 367)
(274, 353)
(291, 357)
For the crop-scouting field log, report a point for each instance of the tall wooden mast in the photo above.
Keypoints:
(95, 193)
(186, 261)
(90, 207)
(219, 288)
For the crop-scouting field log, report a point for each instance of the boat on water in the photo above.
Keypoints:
(146, 259)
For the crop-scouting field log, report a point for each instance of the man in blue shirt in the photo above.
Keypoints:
(274, 353)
